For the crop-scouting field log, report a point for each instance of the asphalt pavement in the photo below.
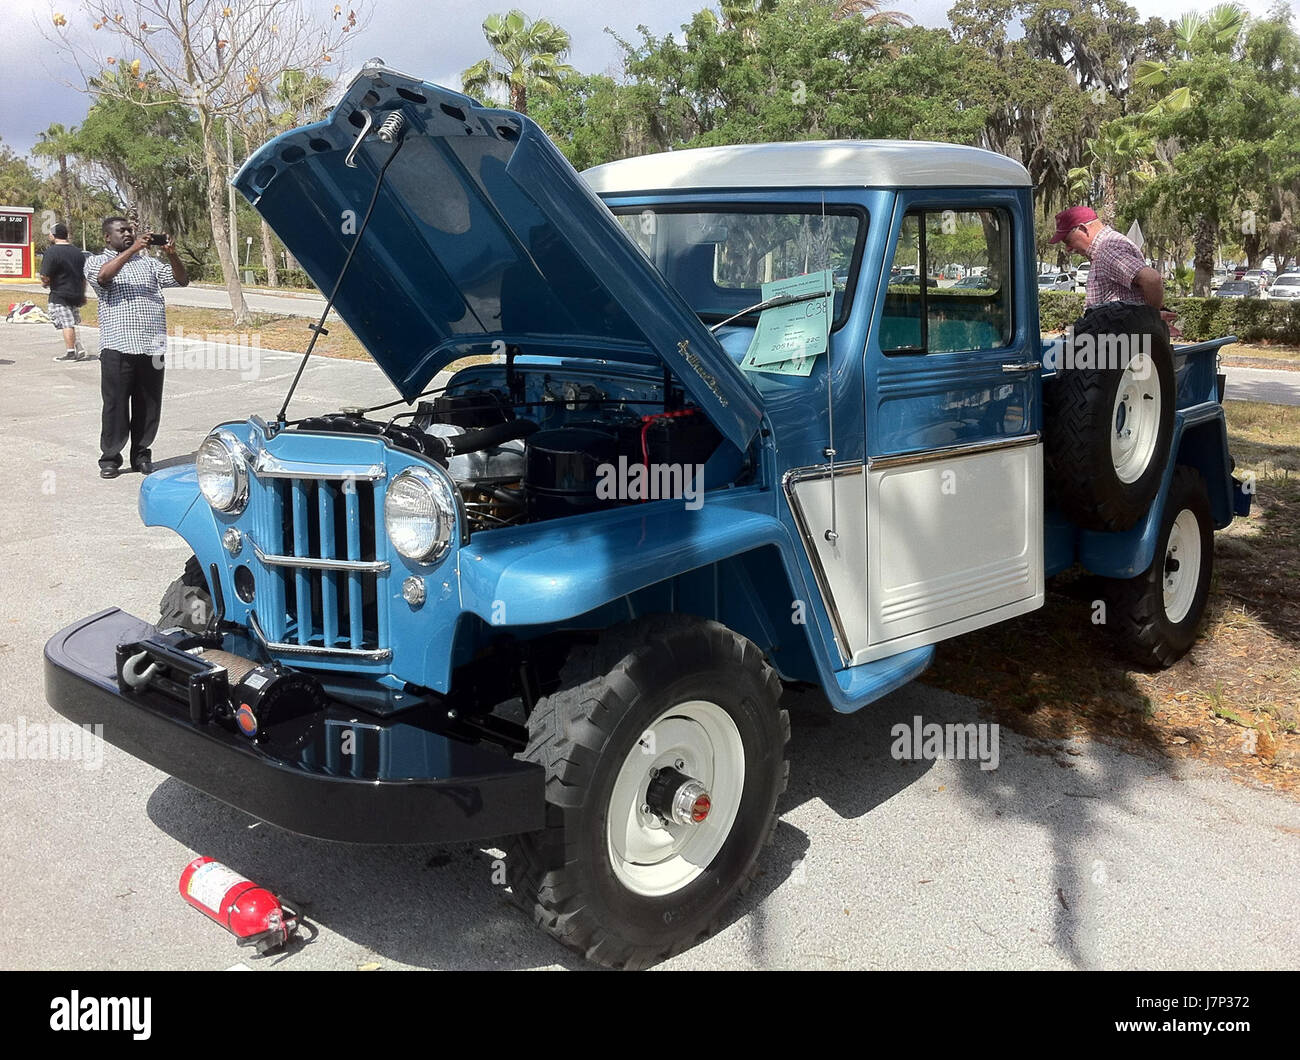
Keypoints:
(1262, 384)
(1068, 855)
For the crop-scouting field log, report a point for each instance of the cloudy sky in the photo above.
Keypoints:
(436, 40)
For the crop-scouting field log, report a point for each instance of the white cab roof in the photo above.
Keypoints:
(811, 164)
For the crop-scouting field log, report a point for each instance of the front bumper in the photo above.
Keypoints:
(473, 792)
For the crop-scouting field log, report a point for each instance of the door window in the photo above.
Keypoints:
(927, 310)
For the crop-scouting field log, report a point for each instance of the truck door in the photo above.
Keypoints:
(954, 475)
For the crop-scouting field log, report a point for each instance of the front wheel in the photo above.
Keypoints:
(1158, 612)
(664, 752)
(187, 603)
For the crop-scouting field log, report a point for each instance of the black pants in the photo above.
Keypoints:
(132, 388)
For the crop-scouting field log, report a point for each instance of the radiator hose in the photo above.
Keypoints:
(476, 439)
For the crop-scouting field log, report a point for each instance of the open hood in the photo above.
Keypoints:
(481, 233)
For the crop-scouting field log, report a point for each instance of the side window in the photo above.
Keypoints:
(641, 227)
(949, 286)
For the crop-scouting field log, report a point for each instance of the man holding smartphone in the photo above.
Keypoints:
(132, 339)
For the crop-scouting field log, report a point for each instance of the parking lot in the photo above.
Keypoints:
(1068, 855)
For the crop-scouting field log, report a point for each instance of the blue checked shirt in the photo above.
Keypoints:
(132, 314)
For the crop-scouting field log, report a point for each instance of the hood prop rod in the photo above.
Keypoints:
(318, 329)
(351, 160)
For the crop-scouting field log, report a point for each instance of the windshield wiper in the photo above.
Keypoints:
(772, 303)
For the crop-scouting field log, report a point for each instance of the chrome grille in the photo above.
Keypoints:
(318, 540)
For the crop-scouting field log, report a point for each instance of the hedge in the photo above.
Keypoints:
(1250, 319)
(210, 271)
(287, 277)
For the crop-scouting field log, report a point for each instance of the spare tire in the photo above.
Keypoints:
(1109, 417)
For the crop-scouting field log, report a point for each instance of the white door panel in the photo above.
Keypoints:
(951, 539)
(925, 550)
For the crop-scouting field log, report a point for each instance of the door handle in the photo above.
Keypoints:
(1022, 366)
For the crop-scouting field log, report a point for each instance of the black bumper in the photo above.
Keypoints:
(482, 794)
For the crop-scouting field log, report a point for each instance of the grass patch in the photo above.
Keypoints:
(1264, 438)
(1053, 674)
(1255, 355)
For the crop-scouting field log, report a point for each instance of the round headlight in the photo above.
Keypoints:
(419, 513)
(223, 474)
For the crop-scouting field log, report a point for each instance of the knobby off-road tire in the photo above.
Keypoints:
(187, 602)
(648, 693)
(1155, 615)
(1107, 432)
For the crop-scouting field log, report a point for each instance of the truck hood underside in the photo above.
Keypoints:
(481, 234)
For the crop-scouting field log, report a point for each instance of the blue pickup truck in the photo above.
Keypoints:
(714, 427)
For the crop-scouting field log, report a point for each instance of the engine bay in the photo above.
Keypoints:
(527, 444)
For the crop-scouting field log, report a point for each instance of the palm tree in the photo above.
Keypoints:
(1121, 155)
(870, 12)
(1218, 32)
(58, 142)
(298, 98)
(527, 57)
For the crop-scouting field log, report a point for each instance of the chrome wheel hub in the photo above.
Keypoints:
(675, 798)
(1135, 420)
(1182, 567)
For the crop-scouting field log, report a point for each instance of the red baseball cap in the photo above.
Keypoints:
(1072, 218)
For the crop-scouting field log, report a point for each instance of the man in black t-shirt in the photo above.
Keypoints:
(61, 272)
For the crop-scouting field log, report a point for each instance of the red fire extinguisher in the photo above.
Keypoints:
(252, 913)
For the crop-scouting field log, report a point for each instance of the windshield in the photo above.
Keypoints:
(718, 257)
(1287, 281)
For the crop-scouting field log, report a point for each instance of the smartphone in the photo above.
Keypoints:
(158, 239)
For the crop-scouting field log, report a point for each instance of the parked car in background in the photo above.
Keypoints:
(1081, 277)
(979, 283)
(1238, 289)
(1218, 278)
(1054, 281)
(1286, 288)
(909, 276)
(1261, 277)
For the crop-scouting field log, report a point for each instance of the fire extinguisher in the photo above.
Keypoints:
(252, 913)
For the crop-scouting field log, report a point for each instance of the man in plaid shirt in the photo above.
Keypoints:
(1118, 271)
(132, 340)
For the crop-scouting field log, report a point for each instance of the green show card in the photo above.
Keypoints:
(793, 331)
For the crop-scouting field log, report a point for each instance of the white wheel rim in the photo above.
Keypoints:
(650, 856)
(1135, 420)
(1184, 549)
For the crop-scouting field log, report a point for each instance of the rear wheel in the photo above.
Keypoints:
(1156, 614)
(664, 758)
